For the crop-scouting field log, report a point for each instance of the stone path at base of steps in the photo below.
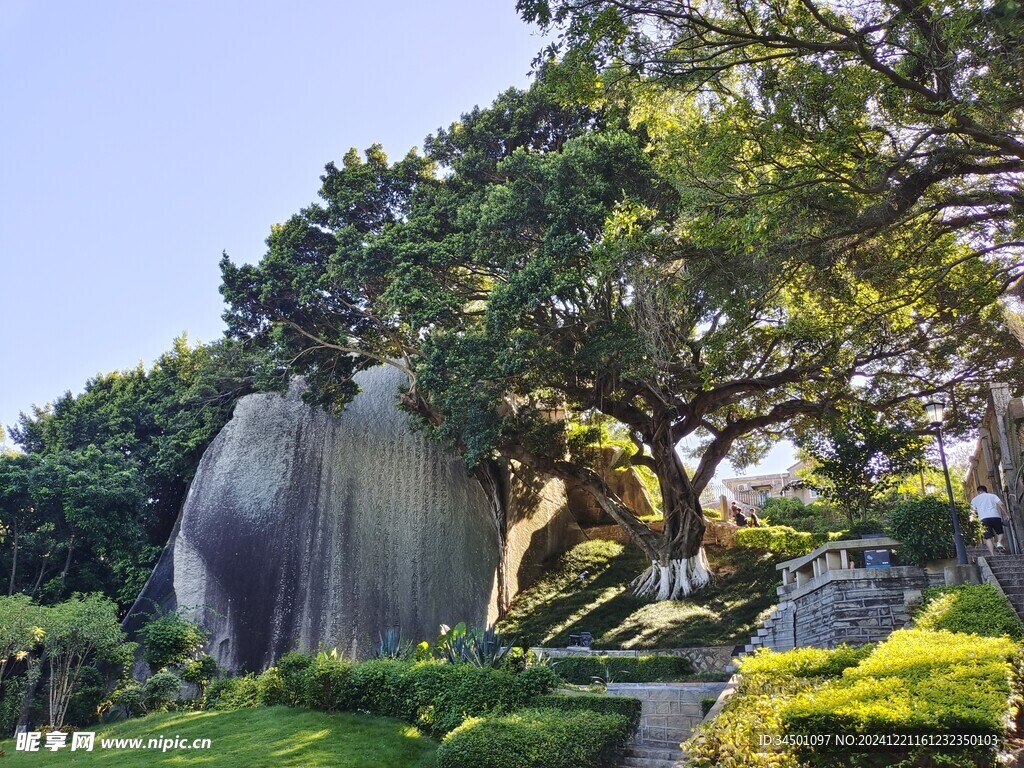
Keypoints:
(669, 714)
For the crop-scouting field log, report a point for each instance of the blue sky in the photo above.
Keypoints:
(140, 140)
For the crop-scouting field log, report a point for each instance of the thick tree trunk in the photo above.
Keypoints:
(493, 478)
(681, 566)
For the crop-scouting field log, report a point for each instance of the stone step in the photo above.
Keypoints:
(653, 751)
(1013, 579)
(660, 750)
(643, 762)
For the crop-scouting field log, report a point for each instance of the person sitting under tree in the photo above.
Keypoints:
(990, 510)
(737, 516)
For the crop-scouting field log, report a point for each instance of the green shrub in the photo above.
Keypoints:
(861, 528)
(706, 703)
(925, 530)
(295, 675)
(161, 691)
(448, 693)
(816, 517)
(780, 539)
(270, 688)
(431, 694)
(12, 692)
(200, 672)
(536, 738)
(916, 682)
(802, 662)
(233, 693)
(732, 739)
(625, 706)
(170, 640)
(582, 670)
(321, 684)
(974, 608)
(384, 687)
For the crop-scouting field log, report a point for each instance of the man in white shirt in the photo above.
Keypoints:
(990, 510)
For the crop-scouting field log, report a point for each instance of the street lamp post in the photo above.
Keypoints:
(935, 411)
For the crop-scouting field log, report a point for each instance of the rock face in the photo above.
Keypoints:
(304, 530)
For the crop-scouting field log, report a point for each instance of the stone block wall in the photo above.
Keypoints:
(669, 711)
(856, 606)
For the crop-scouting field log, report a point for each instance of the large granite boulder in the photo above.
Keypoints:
(303, 530)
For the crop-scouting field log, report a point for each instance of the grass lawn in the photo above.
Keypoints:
(723, 613)
(250, 738)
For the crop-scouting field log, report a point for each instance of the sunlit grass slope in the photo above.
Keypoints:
(724, 613)
(250, 738)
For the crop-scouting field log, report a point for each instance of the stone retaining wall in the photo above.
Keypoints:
(714, 658)
(855, 606)
(716, 532)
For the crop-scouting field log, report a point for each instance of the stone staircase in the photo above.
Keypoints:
(762, 638)
(1008, 571)
(652, 757)
(669, 714)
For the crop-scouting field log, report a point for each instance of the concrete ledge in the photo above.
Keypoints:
(852, 545)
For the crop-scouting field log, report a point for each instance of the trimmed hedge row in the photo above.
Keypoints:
(582, 670)
(435, 696)
(536, 738)
(780, 539)
(491, 718)
(803, 662)
(625, 706)
(768, 681)
(978, 608)
(917, 681)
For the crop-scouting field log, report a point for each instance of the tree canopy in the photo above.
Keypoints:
(544, 254)
(858, 455)
(822, 125)
(93, 498)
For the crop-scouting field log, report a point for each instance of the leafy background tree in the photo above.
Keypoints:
(92, 499)
(559, 261)
(858, 456)
(821, 125)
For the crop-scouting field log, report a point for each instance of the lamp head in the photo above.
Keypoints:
(935, 411)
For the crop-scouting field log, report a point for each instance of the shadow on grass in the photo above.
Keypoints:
(723, 613)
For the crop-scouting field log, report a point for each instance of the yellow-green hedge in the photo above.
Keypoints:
(536, 738)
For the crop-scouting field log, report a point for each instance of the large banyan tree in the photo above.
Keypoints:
(540, 257)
